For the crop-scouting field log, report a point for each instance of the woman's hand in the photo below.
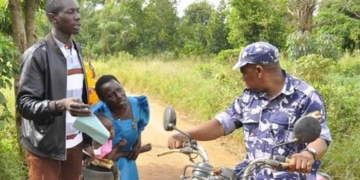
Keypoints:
(136, 149)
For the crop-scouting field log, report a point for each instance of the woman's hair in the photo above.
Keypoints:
(103, 80)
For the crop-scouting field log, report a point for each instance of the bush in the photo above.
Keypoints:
(328, 46)
(342, 104)
(349, 66)
(228, 57)
(342, 159)
(301, 44)
(11, 164)
(313, 67)
(8, 67)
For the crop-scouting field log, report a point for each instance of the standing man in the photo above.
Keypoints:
(270, 105)
(52, 92)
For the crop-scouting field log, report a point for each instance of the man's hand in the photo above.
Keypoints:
(90, 152)
(315, 114)
(176, 141)
(74, 106)
(301, 162)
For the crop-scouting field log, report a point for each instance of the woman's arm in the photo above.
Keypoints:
(136, 149)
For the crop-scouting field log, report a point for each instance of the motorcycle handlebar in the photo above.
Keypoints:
(276, 162)
(189, 148)
(169, 152)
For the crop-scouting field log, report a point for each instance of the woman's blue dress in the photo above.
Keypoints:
(128, 129)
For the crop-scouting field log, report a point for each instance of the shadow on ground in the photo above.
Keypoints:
(159, 172)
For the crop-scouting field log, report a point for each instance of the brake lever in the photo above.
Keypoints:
(186, 150)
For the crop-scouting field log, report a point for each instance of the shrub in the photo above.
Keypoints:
(11, 164)
(228, 57)
(313, 67)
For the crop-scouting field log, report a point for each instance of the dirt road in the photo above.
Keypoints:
(169, 167)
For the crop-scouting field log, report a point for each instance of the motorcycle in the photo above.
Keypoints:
(306, 129)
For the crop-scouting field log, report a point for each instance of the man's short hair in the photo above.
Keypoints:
(54, 6)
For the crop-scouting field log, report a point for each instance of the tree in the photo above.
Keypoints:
(193, 28)
(254, 20)
(160, 27)
(24, 35)
(340, 19)
(113, 28)
(303, 12)
(218, 30)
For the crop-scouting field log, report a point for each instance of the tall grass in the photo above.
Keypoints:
(204, 87)
(11, 164)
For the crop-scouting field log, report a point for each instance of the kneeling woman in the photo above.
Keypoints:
(129, 116)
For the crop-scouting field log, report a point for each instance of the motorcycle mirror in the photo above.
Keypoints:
(307, 129)
(169, 119)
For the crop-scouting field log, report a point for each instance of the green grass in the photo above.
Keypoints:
(203, 88)
(11, 164)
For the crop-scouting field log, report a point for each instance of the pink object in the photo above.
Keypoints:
(103, 150)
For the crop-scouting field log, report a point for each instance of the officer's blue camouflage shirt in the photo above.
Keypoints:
(268, 122)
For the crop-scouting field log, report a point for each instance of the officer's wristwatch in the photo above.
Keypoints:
(311, 151)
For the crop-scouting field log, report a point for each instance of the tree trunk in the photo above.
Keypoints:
(30, 16)
(23, 38)
(303, 11)
(18, 26)
(19, 38)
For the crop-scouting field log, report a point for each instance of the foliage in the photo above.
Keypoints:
(42, 24)
(312, 67)
(8, 66)
(11, 164)
(5, 18)
(160, 38)
(328, 46)
(142, 27)
(301, 44)
(229, 56)
(216, 37)
(254, 20)
(341, 19)
(193, 28)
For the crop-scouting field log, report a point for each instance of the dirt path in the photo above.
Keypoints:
(169, 167)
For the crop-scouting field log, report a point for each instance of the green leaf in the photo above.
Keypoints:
(2, 99)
